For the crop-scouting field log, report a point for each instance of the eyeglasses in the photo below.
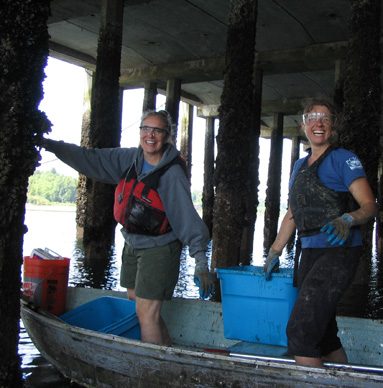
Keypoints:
(316, 116)
(155, 130)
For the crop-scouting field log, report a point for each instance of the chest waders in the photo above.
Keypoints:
(313, 204)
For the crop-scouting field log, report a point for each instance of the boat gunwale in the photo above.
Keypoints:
(160, 352)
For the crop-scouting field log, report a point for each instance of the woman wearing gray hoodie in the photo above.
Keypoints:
(158, 219)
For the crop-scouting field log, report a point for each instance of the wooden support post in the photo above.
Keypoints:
(235, 141)
(173, 96)
(105, 129)
(24, 52)
(295, 149)
(362, 106)
(81, 198)
(273, 192)
(187, 138)
(247, 243)
(360, 132)
(208, 184)
(379, 218)
(150, 96)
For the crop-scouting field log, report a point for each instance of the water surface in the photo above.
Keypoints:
(55, 228)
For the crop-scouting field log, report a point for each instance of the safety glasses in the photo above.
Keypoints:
(316, 116)
(151, 130)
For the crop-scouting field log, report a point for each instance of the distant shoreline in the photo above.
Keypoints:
(50, 208)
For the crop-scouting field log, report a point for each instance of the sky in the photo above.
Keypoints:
(64, 87)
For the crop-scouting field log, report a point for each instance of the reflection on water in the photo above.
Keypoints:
(100, 273)
(105, 274)
(375, 289)
(55, 228)
(38, 372)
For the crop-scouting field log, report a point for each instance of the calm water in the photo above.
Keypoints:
(55, 228)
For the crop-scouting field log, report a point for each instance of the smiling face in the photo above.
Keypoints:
(152, 142)
(318, 127)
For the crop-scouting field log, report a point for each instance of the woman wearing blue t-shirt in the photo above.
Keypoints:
(329, 198)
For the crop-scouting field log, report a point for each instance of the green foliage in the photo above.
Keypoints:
(197, 198)
(49, 187)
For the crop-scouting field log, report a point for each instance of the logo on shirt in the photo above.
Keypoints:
(354, 163)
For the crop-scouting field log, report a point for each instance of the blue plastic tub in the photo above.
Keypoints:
(107, 315)
(256, 310)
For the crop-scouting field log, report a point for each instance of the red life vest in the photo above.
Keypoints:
(137, 204)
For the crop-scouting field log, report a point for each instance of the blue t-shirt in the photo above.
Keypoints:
(337, 171)
(146, 167)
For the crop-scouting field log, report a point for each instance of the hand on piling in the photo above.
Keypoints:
(45, 143)
(272, 263)
(339, 229)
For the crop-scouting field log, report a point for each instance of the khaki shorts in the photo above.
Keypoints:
(151, 272)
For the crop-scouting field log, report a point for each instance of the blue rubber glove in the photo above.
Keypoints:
(339, 229)
(272, 263)
(204, 280)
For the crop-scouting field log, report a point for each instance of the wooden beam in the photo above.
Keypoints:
(310, 58)
(74, 57)
(202, 70)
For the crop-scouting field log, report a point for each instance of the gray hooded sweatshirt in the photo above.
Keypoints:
(108, 165)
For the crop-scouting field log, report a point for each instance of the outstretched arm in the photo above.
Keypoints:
(105, 164)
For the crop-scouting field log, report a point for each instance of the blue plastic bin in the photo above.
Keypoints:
(107, 315)
(256, 310)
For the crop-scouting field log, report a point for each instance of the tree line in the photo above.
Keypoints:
(50, 187)
(46, 188)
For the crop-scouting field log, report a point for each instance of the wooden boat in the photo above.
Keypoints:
(200, 357)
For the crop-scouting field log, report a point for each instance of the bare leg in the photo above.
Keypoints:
(131, 294)
(308, 361)
(338, 356)
(153, 327)
(165, 334)
(148, 312)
